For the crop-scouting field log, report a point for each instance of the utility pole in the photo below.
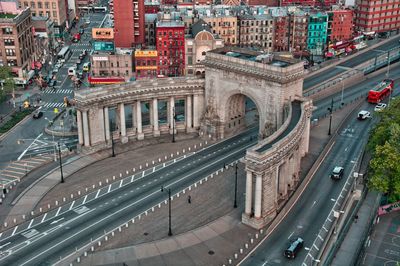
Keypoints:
(59, 158)
(236, 175)
(330, 109)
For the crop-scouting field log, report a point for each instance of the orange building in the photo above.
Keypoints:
(145, 63)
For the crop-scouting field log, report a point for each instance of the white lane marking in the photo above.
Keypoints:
(329, 219)
(58, 211)
(314, 203)
(109, 188)
(315, 247)
(56, 221)
(290, 235)
(44, 217)
(120, 183)
(326, 230)
(72, 205)
(23, 153)
(320, 237)
(6, 244)
(332, 199)
(15, 230)
(97, 194)
(30, 223)
(306, 248)
(84, 199)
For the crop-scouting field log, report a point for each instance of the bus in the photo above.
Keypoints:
(380, 91)
(64, 54)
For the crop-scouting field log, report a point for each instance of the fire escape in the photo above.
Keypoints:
(174, 68)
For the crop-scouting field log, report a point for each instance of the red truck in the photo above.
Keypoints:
(77, 37)
(380, 91)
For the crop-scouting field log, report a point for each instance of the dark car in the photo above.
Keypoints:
(37, 114)
(81, 31)
(294, 248)
(337, 172)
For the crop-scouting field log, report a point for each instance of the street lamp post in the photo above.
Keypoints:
(169, 213)
(173, 124)
(330, 109)
(388, 65)
(59, 158)
(236, 174)
(342, 81)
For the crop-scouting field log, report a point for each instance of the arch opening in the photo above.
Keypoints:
(240, 115)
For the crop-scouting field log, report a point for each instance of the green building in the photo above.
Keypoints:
(317, 34)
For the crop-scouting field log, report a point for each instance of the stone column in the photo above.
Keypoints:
(171, 114)
(188, 114)
(134, 121)
(140, 134)
(107, 123)
(156, 130)
(249, 192)
(258, 196)
(196, 111)
(86, 129)
(282, 172)
(124, 138)
(80, 129)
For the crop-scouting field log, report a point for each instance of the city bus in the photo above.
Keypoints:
(64, 54)
(380, 91)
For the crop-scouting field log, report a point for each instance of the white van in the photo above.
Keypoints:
(71, 71)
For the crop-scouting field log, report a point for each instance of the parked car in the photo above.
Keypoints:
(294, 248)
(81, 31)
(37, 114)
(79, 74)
(337, 172)
(379, 107)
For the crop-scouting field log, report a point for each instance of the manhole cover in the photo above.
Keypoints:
(211, 252)
(146, 233)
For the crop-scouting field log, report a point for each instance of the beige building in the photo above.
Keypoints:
(197, 43)
(112, 64)
(54, 9)
(225, 26)
(257, 31)
(17, 48)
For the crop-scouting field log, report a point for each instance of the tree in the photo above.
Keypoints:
(7, 81)
(385, 146)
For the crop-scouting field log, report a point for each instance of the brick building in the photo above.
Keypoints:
(378, 16)
(150, 29)
(319, 3)
(129, 23)
(17, 47)
(340, 25)
(57, 10)
(170, 40)
(291, 32)
(256, 31)
(145, 64)
(225, 26)
(114, 64)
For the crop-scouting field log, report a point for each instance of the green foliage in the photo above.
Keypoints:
(385, 146)
(15, 118)
(7, 80)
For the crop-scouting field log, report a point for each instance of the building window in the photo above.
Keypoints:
(54, 5)
(54, 15)
(26, 4)
(7, 31)
(190, 60)
(39, 4)
(46, 5)
(9, 42)
(33, 5)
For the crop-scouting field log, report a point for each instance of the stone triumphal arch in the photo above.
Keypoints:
(214, 106)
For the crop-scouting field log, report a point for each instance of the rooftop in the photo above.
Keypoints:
(256, 56)
(173, 23)
(7, 15)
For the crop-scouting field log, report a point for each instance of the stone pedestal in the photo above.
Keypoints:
(124, 139)
(140, 136)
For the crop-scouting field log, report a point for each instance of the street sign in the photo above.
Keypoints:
(56, 110)
(103, 46)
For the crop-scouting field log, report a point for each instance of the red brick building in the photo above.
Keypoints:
(262, 2)
(378, 16)
(151, 7)
(146, 64)
(340, 25)
(129, 24)
(170, 41)
(298, 33)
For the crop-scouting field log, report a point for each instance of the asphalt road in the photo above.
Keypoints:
(33, 142)
(351, 63)
(45, 239)
(309, 214)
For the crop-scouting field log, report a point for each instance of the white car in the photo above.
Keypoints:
(379, 107)
(362, 115)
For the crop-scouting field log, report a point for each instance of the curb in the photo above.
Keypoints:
(4, 135)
